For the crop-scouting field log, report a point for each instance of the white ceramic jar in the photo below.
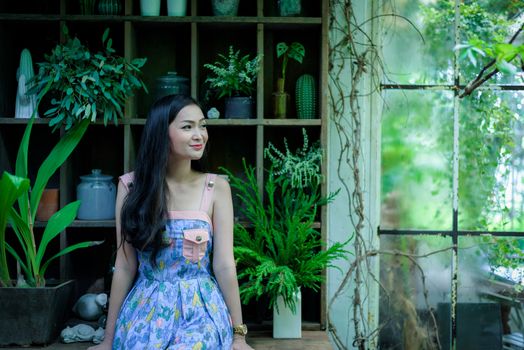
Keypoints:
(176, 7)
(97, 195)
(150, 7)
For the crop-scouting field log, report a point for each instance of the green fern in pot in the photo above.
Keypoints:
(233, 77)
(282, 251)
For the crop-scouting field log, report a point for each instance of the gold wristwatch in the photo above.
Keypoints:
(240, 329)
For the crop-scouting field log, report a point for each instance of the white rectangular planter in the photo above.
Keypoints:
(285, 323)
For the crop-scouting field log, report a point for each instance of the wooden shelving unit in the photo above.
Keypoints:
(181, 44)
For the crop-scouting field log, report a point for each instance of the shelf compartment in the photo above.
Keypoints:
(17, 36)
(100, 148)
(42, 7)
(167, 49)
(90, 34)
(311, 39)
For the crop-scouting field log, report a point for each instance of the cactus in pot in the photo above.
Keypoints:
(306, 97)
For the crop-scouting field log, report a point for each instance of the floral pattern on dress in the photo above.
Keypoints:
(177, 303)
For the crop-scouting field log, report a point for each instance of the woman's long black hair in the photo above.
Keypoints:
(145, 208)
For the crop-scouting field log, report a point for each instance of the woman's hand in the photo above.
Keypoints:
(239, 343)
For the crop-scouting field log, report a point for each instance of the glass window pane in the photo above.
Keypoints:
(491, 178)
(418, 41)
(490, 281)
(483, 24)
(417, 129)
(412, 290)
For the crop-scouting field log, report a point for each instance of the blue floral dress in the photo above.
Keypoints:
(177, 303)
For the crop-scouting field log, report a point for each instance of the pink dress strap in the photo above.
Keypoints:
(127, 179)
(207, 196)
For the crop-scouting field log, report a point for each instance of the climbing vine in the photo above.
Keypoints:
(349, 63)
(355, 71)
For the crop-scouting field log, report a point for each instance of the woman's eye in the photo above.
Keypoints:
(203, 126)
(186, 127)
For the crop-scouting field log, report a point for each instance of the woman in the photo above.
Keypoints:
(170, 217)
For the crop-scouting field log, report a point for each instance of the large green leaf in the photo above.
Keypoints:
(21, 166)
(11, 188)
(281, 49)
(18, 258)
(56, 224)
(297, 51)
(24, 234)
(55, 159)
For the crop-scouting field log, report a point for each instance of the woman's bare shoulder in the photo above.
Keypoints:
(222, 185)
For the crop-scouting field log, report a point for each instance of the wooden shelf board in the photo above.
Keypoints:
(21, 17)
(240, 122)
(22, 121)
(93, 223)
(291, 122)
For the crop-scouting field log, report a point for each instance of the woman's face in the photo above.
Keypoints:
(188, 133)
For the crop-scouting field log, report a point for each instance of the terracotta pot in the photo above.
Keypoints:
(49, 203)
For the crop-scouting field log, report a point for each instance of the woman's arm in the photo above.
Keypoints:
(123, 276)
(223, 260)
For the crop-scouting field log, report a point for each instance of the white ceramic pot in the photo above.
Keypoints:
(176, 7)
(150, 7)
(287, 324)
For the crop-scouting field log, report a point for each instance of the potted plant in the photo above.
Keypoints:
(86, 85)
(82, 85)
(233, 76)
(32, 311)
(282, 252)
(285, 52)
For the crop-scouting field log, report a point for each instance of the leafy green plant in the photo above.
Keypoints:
(87, 84)
(234, 74)
(302, 167)
(282, 251)
(294, 51)
(32, 257)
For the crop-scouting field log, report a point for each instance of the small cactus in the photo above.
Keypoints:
(306, 97)
(25, 103)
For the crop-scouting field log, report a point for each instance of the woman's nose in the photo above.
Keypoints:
(197, 134)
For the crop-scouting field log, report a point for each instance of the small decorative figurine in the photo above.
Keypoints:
(82, 332)
(213, 113)
(90, 306)
(25, 104)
